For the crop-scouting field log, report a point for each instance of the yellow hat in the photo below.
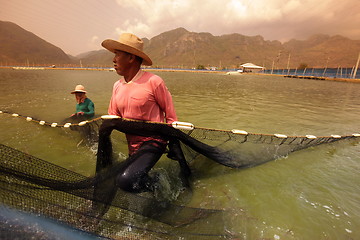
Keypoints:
(129, 43)
(79, 89)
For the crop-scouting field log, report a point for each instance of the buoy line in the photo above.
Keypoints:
(176, 124)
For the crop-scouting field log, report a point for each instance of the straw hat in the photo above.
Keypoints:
(128, 43)
(79, 89)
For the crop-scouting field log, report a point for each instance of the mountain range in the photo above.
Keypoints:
(180, 48)
(18, 46)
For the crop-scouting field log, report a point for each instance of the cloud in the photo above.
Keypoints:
(94, 39)
(274, 19)
(135, 26)
(85, 23)
(94, 42)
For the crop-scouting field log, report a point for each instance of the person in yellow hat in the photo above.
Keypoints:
(85, 108)
(138, 95)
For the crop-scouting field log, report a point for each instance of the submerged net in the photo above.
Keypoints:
(93, 205)
(35, 186)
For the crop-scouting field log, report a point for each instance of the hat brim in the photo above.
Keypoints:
(78, 91)
(113, 45)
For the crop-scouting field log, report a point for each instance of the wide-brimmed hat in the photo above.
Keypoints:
(79, 89)
(129, 43)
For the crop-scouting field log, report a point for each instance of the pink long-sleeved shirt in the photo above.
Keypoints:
(146, 98)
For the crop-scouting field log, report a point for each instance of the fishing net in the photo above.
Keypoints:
(35, 186)
(232, 148)
(93, 205)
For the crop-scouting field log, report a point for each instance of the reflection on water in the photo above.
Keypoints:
(311, 194)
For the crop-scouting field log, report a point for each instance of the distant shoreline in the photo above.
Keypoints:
(352, 80)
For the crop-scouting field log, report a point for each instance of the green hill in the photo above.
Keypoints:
(180, 48)
(18, 46)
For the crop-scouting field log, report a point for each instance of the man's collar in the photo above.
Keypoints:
(136, 77)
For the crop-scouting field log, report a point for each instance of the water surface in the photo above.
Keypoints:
(310, 194)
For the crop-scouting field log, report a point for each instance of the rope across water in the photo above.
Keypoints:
(180, 125)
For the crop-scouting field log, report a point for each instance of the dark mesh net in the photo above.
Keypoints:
(235, 148)
(94, 206)
(35, 186)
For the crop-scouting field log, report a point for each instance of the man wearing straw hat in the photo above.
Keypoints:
(138, 95)
(85, 107)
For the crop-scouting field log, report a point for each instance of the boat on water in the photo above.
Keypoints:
(237, 72)
(28, 68)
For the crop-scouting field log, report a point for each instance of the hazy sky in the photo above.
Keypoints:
(78, 26)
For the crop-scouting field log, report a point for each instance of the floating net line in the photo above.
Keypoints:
(93, 205)
(232, 148)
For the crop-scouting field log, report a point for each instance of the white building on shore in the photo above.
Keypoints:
(250, 67)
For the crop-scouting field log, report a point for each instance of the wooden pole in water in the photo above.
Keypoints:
(288, 64)
(356, 67)
(327, 61)
(352, 71)
(304, 71)
(341, 72)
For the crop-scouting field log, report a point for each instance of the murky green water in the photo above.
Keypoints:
(311, 194)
